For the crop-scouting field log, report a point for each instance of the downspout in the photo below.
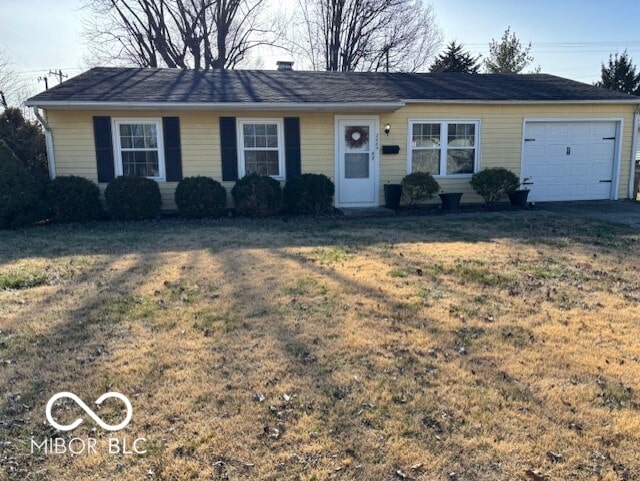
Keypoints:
(48, 136)
(634, 147)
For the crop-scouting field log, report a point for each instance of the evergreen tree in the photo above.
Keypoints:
(620, 74)
(455, 59)
(507, 55)
(26, 139)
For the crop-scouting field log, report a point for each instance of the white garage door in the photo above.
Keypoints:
(569, 160)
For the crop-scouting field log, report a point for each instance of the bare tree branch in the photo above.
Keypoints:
(197, 34)
(374, 35)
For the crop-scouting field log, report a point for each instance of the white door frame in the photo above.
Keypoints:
(376, 157)
(617, 152)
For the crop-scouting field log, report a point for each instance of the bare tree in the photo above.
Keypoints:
(12, 85)
(370, 35)
(197, 34)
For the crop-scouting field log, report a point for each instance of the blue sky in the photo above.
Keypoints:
(570, 38)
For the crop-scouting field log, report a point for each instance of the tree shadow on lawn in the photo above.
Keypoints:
(176, 235)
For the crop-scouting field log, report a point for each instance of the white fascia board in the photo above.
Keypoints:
(521, 102)
(258, 106)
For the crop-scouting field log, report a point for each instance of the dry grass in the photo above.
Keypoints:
(440, 348)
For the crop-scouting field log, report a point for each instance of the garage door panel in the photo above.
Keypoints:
(580, 130)
(579, 170)
(604, 150)
(604, 129)
(567, 160)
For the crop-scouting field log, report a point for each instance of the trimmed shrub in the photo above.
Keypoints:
(419, 187)
(200, 196)
(257, 196)
(492, 184)
(309, 194)
(22, 196)
(74, 199)
(132, 198)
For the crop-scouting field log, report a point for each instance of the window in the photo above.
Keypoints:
(443, 148)
(261, 148)
(138, 148)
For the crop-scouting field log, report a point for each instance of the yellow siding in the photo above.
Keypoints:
(501, 136)
(501, 139)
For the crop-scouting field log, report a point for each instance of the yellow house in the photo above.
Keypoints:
(567, 140)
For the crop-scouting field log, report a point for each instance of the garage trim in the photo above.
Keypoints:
(617, 149)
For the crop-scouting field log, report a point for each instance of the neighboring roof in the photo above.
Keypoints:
(176, 87)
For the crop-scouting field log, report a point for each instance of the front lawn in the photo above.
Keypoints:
(490, 347)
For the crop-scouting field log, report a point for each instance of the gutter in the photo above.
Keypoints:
(48, 136)
(634, 147)
(225, 106)
(522, 102)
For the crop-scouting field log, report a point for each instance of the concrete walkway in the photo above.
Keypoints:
(621, 211)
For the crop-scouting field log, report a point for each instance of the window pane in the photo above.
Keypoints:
(150, 136)
(262, 162)
(261, 141)
(356, 166)
(261, 129)
(426, 161)
(460, 161)
(249, 141)
(426, 135)
(461, 135)
(272, 129)
(140, 163)
(248, 129)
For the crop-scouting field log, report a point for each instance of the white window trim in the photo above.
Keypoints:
(117, 148)
(240, 144)
(443, 145)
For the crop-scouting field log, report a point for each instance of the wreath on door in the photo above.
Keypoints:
(356, 137)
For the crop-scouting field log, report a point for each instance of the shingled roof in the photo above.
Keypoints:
(141, 86)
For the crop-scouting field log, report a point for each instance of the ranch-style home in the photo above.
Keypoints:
(571, 141)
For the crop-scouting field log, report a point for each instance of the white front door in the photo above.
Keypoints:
(357, 162)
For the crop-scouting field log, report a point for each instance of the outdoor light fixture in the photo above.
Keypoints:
(387, 129)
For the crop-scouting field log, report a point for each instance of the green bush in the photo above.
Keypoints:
(132, 198)
(74, 199)
(257, 196)
(419, 187)
(309, 194)
(492, 184)
(22, 196)
(200, 196)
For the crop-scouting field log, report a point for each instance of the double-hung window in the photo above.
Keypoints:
(444, 148)
(139, 148)
(261, 147)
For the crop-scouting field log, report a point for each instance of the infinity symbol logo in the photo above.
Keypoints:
(85, 408)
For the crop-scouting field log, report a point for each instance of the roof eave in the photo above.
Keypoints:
(521, 102)
(227, 106)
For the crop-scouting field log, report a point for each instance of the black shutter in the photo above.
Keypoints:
(229, 148)
(172, 151)
(104, 148)
(292, 146)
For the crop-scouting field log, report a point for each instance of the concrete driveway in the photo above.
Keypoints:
(620, 211)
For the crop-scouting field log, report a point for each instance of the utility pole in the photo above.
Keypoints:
(46, 82)
(58, 74)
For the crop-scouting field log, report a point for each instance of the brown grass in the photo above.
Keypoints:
(442, 348)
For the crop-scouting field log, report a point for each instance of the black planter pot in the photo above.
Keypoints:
(451, 201)
(392, 196)
(519, 198)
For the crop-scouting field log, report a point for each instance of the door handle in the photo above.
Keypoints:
(568, 150)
